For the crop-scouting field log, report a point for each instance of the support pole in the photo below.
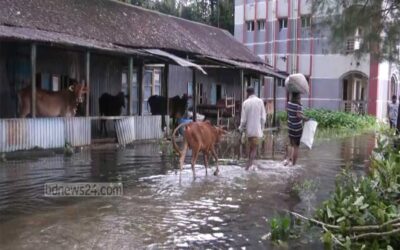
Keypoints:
(165, 84)
(33, 79)
(274, 101)
(140, 86)
(259, 85)
(130, 86)
(87, 72)
(242, 84)
(194, 86)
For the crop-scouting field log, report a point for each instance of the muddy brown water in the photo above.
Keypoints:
(160, 208)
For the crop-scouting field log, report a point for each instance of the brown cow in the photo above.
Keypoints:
(52, 104)
(199, 136)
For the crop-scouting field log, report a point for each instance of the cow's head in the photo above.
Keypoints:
(220, 132)
(79, 90)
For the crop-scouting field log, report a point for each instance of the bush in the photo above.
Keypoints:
(365, 211)
(335, 119)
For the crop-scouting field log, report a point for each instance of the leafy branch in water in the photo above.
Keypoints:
(365, 210)
(362, 211)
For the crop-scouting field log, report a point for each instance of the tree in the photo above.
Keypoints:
(375, 23)
(218, 13)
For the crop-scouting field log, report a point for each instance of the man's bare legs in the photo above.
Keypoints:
(288, 155)
(252, 152)
(295, 154)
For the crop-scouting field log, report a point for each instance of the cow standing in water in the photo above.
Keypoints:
(177, 107)
(199, 136)
(52, 103)
(110, 105)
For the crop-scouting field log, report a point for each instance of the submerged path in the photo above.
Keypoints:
(160, 207)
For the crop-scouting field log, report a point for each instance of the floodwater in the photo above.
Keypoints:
(161, 208)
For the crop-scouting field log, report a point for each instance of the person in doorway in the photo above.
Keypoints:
(393, 110)
(295, 128)
(252, 121)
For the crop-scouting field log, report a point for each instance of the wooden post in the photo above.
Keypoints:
(194, 96)
(259, 85)
(33, 79)
(130, 86)
(87, 74)
(165, 84)
(274, 100)
(140, 86)
(242, 83)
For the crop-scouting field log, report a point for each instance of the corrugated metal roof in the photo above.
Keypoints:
(180, 61)
(113, 25)
(261, 68)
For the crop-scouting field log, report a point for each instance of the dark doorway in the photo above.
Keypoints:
(219, 92)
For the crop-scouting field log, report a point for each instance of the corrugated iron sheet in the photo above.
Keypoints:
(24, 134)
(125, 129)
(78, 131)
(139, 128)
(46, 133)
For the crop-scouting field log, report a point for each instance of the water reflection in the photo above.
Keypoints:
(159, 209)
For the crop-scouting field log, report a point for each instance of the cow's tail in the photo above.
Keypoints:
(176, 148)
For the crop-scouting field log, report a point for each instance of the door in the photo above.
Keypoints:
(213, 93)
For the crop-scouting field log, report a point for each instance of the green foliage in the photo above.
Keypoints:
(280, 228)
(340, 120)
(335, 119)
(365, 201)
(281, 116)
(217, 13)
(378, 21)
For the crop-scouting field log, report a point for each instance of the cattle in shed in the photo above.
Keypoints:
(110, 105)
(177, 107)
(52, 103)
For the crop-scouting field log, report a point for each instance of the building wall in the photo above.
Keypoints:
(229, 79)
(299, 49)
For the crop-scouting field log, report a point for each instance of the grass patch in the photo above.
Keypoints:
(336, 122)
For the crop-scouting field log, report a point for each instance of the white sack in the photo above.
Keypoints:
(308, 133)
(199, 117)
(297, 83)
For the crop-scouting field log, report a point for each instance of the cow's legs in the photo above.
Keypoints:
(195, 154)
(205, 154)
(183, 154)
(216, 160)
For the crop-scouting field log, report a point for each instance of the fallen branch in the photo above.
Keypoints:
(393, 223)
(333, 237)
(375, 234)
(315, 221)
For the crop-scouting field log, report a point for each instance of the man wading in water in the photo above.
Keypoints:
(252, 120)
(295, 128)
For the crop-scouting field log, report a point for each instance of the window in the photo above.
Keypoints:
(151, 86)
(281, 83)
(200, 94)
(261, 24)
(354, 43)
(55, 83)
(250, 25)
(282, 23)
(306, 21)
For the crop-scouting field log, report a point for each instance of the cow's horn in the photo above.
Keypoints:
(71, 88)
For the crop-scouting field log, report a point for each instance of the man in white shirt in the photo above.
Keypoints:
(252, 121)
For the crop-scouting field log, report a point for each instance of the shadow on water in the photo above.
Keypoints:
(161, 207)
